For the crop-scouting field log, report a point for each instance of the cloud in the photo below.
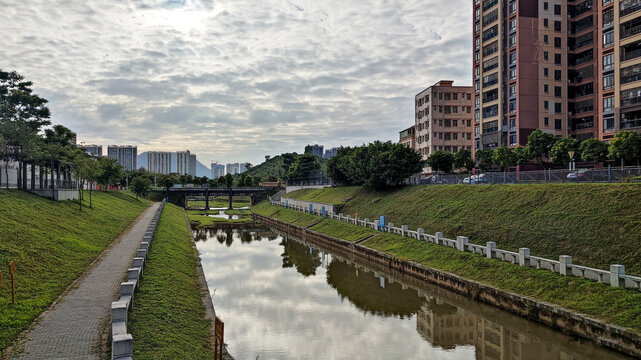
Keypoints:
(235, 80)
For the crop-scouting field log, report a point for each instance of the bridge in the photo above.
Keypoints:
(207, 192)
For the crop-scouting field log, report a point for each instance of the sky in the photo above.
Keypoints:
(235, 80)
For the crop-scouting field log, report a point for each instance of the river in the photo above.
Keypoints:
(283, 298)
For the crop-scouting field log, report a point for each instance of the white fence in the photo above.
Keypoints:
(122, 343)
(616, 277)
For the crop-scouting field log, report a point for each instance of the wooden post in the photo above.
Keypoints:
(219, 335)
(12, 272)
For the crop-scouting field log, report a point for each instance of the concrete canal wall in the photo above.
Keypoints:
(569, 322)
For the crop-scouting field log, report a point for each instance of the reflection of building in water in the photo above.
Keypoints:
(445, 325)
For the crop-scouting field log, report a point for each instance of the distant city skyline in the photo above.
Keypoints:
(170, 75)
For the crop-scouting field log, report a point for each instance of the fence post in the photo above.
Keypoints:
(491, 248)
(405, 228)
(616, 273)
(461, 243)
(524, 257)
(549, 175)
(565, 261)
(609, 173)
(504, 177)
(439, 236)
(420, 233)
(389, 227)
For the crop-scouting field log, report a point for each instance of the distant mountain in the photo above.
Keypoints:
(201, 170)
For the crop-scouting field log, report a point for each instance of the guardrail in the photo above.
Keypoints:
(122, 343)
(616, 277)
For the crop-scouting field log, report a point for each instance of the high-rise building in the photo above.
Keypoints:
(314, 150)
(330, 153)
(126, 155)
(159, 162)
(233, 168)
(185, 163)
(564, 67)
(95, 150)
(242, 167)
(443, 119)
(217, 170)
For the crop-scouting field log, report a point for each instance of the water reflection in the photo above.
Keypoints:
(285, 299)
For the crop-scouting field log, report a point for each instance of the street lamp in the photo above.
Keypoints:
(571, 153)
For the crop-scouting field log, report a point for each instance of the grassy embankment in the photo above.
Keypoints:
(201, 218)
(52, 243)
(220, 202)
(168, 317)
(617, 306)
(598, 224)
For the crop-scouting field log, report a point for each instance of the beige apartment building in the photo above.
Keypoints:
(443, 119)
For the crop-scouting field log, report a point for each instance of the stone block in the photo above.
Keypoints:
(144, 245)
(141, 253)
(439, 238)
(404, 229)
(118, 328)
(490, 249)
(133, 274)
(119, 311)
(127, 288)
(564, 265)
(524, 257)
(122, 345)
(138, 262)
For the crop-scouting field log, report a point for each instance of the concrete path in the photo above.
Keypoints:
(73, 327)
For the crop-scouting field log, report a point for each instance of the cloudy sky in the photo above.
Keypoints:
(235, 80)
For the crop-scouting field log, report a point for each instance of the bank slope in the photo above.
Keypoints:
(168, 320)
(616, 306)
(598, 224)
(52, 243)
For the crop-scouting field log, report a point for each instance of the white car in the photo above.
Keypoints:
(476, 179)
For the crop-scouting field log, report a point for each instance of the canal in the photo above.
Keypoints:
(284, 298)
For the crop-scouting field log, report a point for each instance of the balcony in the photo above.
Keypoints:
(629, 6)
(631, 101)
(630, 55)
(630, 28)
(631, 120)
(491, 82)
(489, 3)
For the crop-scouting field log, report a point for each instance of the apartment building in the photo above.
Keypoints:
(443, 119)
(565, 67)
(217, 170)
(126, 155)
(94, 150)
(407, 137)
(159, 162)
(185, 163)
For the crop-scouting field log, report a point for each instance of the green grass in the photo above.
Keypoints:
(52, 243)
(220, 202)
(287, 215)
(199, 217)
(616, 306)
(341, 230)
(168, 317)
(336, 196)
(238, 212)
(598, 224)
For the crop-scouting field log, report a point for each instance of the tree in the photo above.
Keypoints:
(463, 159)
(288, 160)
(504, 157)
(267, 157)
(229, 181)
(241, 180)
(539, 145)
(338, 167)
(593, 150)
(521, 154)
(249, 181)
(626, 146)
(272, 178)
(212, 183)
(141, 186)
(484, 158)
(303, 165)
(441, 161)
(110, 172)
(559, 151)
(257, 180)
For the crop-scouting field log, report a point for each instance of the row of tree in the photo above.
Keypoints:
(379, 165)
(543, 148)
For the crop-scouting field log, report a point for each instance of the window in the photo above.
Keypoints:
(608, 104)
(546, 55)
(557, 25)
(608, 39)
(455, 123)
(512, 40)
(557, 75)
(546, 105)
(448, 123)
(469, 123)
(546, 72)
(455, 136)
(557, 59)
(558, 124)
(513, 123)
(545, 5)
(512, 90)
(546, 121)
(545, 22)
(608, 62)
(546, 88)
(557, 9)
(512, 25)
(557, 91)
(608, 82)
(469, 96)
(512, 139)
(512, 74)
(557, 42)
(558, 108)
(469, 135)
(512, 58)
(455, 96)
(447, 96)
(546, 39)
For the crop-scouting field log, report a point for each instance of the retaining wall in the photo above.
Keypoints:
(610, 336)
(122, 343)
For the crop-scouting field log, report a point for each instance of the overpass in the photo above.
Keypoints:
(206, 192)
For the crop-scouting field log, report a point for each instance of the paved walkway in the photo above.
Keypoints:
(73, 328)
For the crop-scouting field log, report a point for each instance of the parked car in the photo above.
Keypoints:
(578, 175)
(476, 179)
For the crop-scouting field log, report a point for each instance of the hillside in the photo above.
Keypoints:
(52, 243)
(271, 167)
(598, 224)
